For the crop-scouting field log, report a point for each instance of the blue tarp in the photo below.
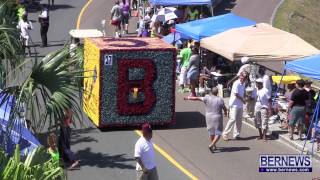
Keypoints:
(180, 2)
(211, 26)
(19, 134)
(308, 66)
(170, 38)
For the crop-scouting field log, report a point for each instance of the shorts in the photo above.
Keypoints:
(25, 41)
(297, 115)
(183, 76)
(193, 75)
(115, 22)
(261, 118)
(214, 132)
(125, 19)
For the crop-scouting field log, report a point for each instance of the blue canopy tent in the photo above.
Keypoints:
(211, 26)
(180, 2)
(174, 38)
(18, 133)
(308, 67)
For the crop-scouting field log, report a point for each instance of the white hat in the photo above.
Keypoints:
(244, 60)
(171, 22)
(259, 80)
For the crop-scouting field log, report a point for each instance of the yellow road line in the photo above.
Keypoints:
(170, 159)
(81, 13)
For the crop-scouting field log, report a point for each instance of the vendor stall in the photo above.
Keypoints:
(309, 67)
(261, 42)
(207, 27)
(129, 81)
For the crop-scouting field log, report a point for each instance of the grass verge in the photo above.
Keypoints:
(300, 17)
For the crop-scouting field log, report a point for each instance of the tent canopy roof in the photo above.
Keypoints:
(261, 42)
(308, 66)
(211, 26)
(180, 2)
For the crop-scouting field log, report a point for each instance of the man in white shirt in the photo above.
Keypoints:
(236, 102)
(144, 155)
(25, 26)
(266, 80)
(263, 104)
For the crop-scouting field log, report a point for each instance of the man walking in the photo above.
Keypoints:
(262, 107)
(44, 24)
(25, 26)
(236, 107)
(144, 155)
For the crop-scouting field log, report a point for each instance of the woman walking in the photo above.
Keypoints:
(193, 70)
(214, 119)
(116, 17)
(125, 8)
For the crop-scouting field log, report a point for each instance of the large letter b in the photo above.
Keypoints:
(125, 85)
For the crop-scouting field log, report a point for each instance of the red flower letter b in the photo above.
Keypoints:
(125, 85)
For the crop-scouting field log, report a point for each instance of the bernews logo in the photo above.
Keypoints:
(285, 163)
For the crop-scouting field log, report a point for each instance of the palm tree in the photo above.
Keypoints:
(47, 89)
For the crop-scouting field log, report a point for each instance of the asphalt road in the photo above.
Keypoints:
(108, 154)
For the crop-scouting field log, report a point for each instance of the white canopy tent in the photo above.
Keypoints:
(260, 43)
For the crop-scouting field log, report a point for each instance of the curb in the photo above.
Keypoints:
(285, 139)
(275, 11)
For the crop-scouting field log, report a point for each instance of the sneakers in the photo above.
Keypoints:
(225, 138)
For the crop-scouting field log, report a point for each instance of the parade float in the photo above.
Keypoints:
(129, 81)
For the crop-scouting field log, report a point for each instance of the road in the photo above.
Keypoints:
(108, 154)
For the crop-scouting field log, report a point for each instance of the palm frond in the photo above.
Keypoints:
(50, 89)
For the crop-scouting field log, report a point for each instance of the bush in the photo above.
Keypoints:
(36, 165)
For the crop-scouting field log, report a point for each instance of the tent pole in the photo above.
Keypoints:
(212, 10)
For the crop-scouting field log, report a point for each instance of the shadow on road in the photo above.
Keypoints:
(224, 7)
(119, 161)
(78, 136)
(36, 7)
(186, 120)
(232, 149)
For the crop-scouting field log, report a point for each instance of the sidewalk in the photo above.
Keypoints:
(276, 132)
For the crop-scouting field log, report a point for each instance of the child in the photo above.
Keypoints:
(53, 150)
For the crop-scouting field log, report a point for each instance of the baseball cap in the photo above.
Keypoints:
(146, 127)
